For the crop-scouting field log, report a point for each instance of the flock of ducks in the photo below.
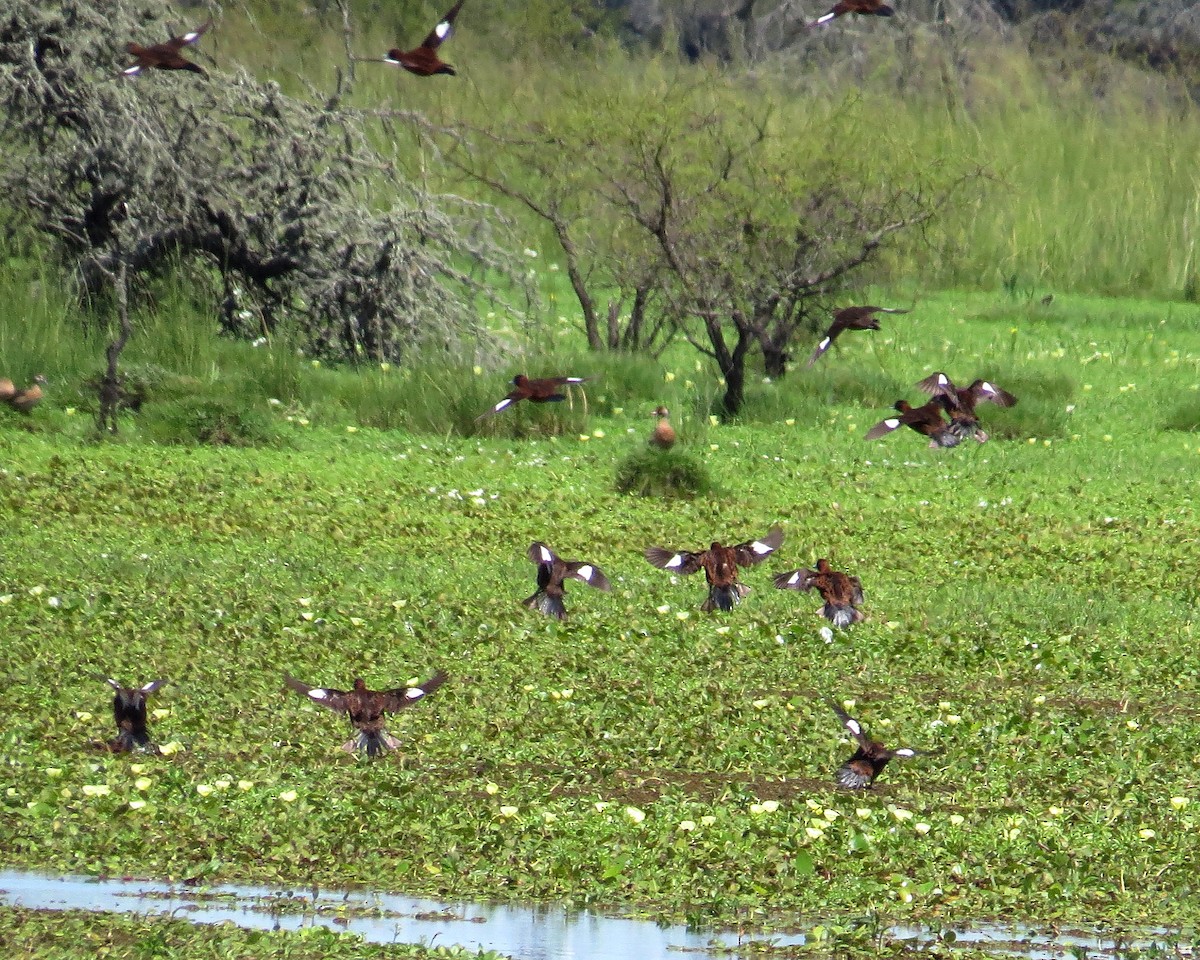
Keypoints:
(842, 594)
(422, 60)
(367, 709)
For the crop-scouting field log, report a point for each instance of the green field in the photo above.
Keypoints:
(1031, 605)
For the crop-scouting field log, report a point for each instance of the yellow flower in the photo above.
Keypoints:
(142, 783)
(1179, 802)
(204, 789)
(136, 804)
(687, 826)
(96, 789)
(814, 833)
(921, 827)
(1147, 834)
(957, 819)
(707, 820)
(245, 784)
(492, 789)
(634, 814)
(288, 796)
(507, 811)
(53, 772)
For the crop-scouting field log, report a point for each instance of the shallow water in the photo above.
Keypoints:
(528, 933)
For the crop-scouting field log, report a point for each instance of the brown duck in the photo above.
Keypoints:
(719, 564)
(129, 712)
(875, 8)
(22, 400)
(926, 419)
(842, 594)
(545, 390)
(550, 575)
(860, 771)
(959, 402)
(165, 56)
(850, 318)
(423, 60)
(663, 435)
(366, 708)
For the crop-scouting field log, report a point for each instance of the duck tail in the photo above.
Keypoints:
(841, 616)
(724, 598)
(544, 603)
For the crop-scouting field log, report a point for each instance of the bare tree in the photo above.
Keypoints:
(284, 203)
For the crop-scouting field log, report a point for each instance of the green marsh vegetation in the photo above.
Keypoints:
(1031, 601)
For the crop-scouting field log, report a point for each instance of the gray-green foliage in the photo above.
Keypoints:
(279, 208)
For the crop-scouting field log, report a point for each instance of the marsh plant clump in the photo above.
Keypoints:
(651, 472)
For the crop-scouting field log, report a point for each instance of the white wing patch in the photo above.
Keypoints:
(988, 388)
(414, 693)
(132, 71)
(586, 571)
(825, 19)
(761, 548)
(794, 578)
(191, 37)
(943, 380)
(506, 402)
(547, 556)
(906, 752)
(853, 727)
(319, 694)
(892, 423)
(574, 379)
(442, 30)
(675, 562)
(828, 340)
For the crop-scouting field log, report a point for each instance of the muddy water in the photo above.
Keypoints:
(524, 932)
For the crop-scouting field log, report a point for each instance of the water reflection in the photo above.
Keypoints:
(526, 932)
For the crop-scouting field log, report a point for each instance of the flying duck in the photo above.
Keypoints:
(926, 419)
(545, 390)
(860, 771)
(719, 564)
(423, 61)
(842, 593)
(863, 7)
(959, 402)
(165, 56)
(129, 711)
(850, 318)
(550, 575)
(22, 400)
(366, 708)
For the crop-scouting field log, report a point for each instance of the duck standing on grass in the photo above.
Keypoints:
(550, 575)
(367, 708)
(663, 435)
(719, 564)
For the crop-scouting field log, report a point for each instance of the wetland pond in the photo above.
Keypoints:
(545, 932)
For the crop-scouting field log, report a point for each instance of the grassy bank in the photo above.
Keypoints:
(1031, 609)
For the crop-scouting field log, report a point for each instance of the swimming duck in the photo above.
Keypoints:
(366, 708)
(959, 402)
(22, 400)
(423, 60)
(850, 318)
(719, 564)
(550, 575)
(862, 7)
(860, 771)
(165, 56)
(926, 419)
(129, 712)
(545, 390)
(663, 435)
(842, 593)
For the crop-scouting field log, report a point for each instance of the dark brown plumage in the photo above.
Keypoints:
(663, 435)
(959, 402)
(862, 7)
(719, 564)
(165, 56)
(550, 575)
(545, 390)
(842, 593)
(423, 60)
(850, 318)
(926, 419)
(129, 712)
(367, 708)
(25, 400)
(860, 771)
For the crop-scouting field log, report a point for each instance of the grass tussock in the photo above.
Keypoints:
(650, 472)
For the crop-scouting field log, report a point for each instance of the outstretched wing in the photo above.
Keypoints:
(175, 44)
(756, 551)
(851, 725)
(441, 33)
(884, 427)
(795, 579)
(856, 591)
(939, 385)
(589, 574)
(325, 696)
(985, 391)
(826, 341)
(677, 561)
(540, 553)
(402, 697)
